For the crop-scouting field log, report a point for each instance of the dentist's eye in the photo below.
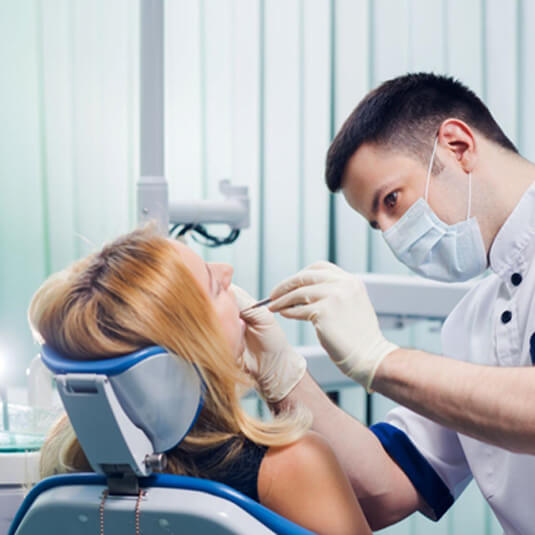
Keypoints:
(391, 200)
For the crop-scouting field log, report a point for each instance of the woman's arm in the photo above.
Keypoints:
(305, 483)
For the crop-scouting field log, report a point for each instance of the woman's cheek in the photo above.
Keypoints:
(232, 325)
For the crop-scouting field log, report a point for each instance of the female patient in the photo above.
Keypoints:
(143, 290)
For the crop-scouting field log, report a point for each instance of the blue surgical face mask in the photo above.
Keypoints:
(434, 249)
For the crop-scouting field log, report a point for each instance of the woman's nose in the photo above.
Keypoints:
(225, 272)
(228, 271)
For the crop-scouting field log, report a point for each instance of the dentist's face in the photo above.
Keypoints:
(215, 279)
(382, 184)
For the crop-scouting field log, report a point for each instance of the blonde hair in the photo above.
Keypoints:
(137, 292)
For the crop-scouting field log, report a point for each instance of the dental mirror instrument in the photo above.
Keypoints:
(263, 302)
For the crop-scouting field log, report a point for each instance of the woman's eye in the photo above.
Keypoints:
(391, 199)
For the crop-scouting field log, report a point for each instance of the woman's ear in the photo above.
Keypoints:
(459, 141)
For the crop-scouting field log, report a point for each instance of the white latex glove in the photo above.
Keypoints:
(268, 357)
(337, 304)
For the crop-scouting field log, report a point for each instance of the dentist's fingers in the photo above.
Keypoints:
(257, 316)
(304, 295)
(306, 277)
(249, 362)
(322, 264)
(305, 312)
(253, 316)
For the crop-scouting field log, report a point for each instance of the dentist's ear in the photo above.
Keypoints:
(459, 140)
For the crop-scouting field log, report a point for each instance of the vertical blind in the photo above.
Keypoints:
(254, 91)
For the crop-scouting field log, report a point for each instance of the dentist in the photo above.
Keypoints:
(423, 160)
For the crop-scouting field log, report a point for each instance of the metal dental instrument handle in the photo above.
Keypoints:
(265, 301)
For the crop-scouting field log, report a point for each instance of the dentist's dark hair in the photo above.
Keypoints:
(404, 114)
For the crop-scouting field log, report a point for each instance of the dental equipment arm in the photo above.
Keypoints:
(152, 195)
(233, 210)
(152, 199)
(153, 204)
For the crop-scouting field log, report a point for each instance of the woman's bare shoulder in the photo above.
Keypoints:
(304, 482)
(291, 459)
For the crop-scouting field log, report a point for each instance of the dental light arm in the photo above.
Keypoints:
(152, 192)
(153, 204)
(232, 211)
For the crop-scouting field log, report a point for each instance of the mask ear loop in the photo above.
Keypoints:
(469, 195)
(430, 168)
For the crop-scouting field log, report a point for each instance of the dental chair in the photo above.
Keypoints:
(126, 413)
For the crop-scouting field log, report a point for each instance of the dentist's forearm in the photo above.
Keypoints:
(491, 404)
(385, 493)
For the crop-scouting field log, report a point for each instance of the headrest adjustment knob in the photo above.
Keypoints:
(156, 462)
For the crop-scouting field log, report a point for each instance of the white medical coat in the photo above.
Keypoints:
(494, 324)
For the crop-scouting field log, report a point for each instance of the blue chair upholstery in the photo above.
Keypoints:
(23, 525)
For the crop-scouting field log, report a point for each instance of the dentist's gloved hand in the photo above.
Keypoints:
(337, 304)
(268, 357)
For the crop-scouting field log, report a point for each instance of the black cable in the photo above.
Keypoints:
(209, 239)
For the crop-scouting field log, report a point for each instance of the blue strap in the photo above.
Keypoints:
(422, 475)
(271, 520)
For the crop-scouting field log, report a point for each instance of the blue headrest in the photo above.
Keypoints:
(161, 393)
(60, 364)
